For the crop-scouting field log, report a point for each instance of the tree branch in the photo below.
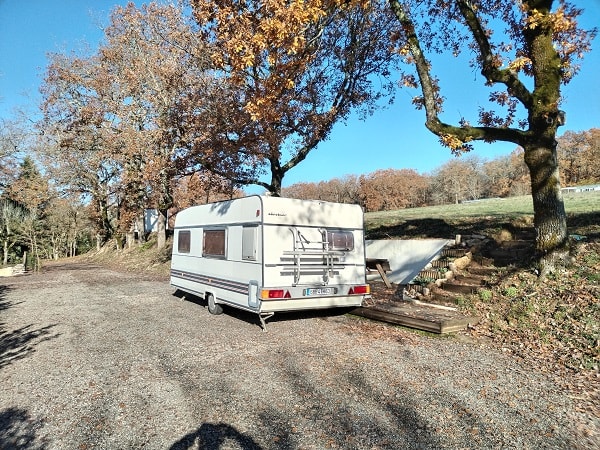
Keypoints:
(486, 57)
(431, 99)
(430, 91)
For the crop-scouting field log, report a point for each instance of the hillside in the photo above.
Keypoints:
(145, 258)
(490, 217)
(554, 324)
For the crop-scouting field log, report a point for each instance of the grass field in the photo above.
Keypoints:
(487, 216)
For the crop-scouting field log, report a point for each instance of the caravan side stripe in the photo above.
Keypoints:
(221, 283)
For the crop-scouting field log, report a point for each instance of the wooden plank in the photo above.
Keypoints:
(422, 317)
(383, 275)
(372, 262)
(407, 321)
(454, 327)
(382, 266)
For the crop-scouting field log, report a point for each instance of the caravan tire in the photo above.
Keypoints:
(213, 307)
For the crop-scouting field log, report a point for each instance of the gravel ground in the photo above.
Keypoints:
(96, 359)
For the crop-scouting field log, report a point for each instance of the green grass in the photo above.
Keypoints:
(481, 217)
(491, 207)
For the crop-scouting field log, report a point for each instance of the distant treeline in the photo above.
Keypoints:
(460, 179)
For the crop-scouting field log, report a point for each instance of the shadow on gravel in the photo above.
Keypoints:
(19, 343)
(4, 304)
(212, 437)
(18, 430)
(399, 419)
(286, 316)
(399, 425)
(283, 316)
(16, 344)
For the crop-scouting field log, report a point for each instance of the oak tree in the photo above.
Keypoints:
(12, 136)
(507, 175)
(155, 60)
(12, 216)
(457, 180)
(389, 189)
(294, 69)
(202, 187)
(32, 191)
(528, 61)
(80, 138)
(115, 116)
(579, 154)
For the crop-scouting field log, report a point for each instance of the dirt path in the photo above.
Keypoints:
(93, 358)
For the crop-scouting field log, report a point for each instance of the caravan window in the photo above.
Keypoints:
(214, 243)
(340, 240)
(183, 241)
(249, 244)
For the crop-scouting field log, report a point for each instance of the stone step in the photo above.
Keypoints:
(443, 297)
(440, 263)
(432, 274)
(461, 288)
(451, 252)
(481, 270)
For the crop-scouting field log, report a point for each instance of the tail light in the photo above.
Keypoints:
(273, 294)
(363, 289)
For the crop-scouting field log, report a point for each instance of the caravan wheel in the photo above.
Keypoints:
(213, 307)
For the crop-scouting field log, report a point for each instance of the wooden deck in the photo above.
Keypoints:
(417, 315)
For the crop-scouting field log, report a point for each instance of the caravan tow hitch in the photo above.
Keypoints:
(263, 319)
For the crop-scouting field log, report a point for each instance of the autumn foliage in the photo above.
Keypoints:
(224, 90)
(112, 120)
(294, 69)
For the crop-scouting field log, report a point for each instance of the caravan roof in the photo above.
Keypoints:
(272, 210)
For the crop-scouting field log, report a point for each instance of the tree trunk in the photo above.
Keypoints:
(277, 174)
(550, 220)
(54, 242)
(5, 250)
(139, 228)
(6, 246)
(36, 253)
(106, 227)
(130, 239)
(161, 232)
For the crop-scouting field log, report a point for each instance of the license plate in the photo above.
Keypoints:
(319, 291)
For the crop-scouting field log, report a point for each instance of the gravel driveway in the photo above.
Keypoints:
(96, 359)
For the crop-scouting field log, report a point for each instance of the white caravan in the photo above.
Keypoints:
(271, 254)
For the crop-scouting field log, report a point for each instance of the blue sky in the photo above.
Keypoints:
(392, 138)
